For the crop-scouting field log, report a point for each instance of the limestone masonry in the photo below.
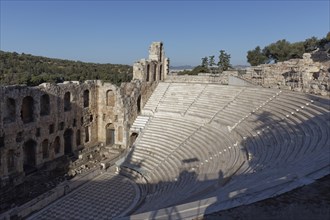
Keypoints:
(303, 75)
(40, 124)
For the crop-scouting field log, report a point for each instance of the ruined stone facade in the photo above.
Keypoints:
(155, 68)
(40, 124)
(303, 75)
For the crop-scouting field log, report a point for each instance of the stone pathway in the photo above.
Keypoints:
(104, 197)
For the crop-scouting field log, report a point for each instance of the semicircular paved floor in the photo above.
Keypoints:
(97, 199)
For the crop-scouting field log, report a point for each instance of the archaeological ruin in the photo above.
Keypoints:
(161, 146)
(309, 74)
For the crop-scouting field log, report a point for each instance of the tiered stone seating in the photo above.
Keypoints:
(160, 138)
(300, 137)
(243, 105)
(139, 123)
(213, 99)
(207, 140)
(155, 98)
(179, 97)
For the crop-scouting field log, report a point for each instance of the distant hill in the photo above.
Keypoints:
(185, 67)
(33, 70)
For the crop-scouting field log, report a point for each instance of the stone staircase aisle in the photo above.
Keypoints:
(139, 123)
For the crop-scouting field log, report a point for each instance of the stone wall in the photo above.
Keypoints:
(235, 81)
(41, 124)
(303, 75)
(155, 68)
(201, 78)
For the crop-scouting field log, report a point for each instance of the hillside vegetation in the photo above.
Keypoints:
(283, 50)
(33, 70)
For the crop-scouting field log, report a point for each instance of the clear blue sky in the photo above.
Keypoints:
(121, 31)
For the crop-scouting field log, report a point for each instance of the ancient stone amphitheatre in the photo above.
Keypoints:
(189, 145)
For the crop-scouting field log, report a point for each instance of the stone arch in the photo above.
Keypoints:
(86, 98)
(2, 141)
(148, 72)
(10, 110)
(110, 97)
(57, 145)
(45, 149)
(11, 161)
(29, 157)
(138, 103)
(160, 71)
(67, 101)
(78, 138)
(109, 134)
(44, 105)
(27, 109)
(161, 52)
(132, 138)
(155, 72)
(68, 141)
(87, 134)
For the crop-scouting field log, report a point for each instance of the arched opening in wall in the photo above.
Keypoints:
(86, 98)
(316, 75)
(57, 145)
(161, 52)
(155, 72)
(78, 138)
(27, 109)
(11, 161)
(110, 97)
(45, 149)
(29, 158)
(148, 73)
(160, 72)
(133, 138)
(2, 141)
(44, 105)
(68, 141)
(67, 101)
(10, 111)
(86, 134)
(109, 134)
(138, 103)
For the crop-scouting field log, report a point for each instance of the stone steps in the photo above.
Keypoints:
(242, 139)
(139, 123)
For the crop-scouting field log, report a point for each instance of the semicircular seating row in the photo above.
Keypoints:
(246, 134)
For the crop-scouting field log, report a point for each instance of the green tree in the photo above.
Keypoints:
(324, 40)
(195, 71)
(311, 44)
(205, 62)
(211, 64)
(224, 61)
(296, 50)
(211, 61)
(32, 70)
(279, 51)
(256, 57)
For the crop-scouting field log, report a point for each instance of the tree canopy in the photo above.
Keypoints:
(33, 70)
(195, 71)
(224, 61)
(283, 50)
(256, 56)
(208, 65)
(205, 62)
